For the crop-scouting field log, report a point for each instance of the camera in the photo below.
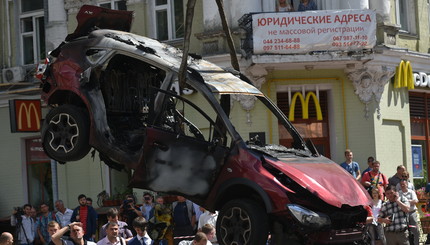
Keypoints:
(127, 203)
(19, 210)
(18, 214)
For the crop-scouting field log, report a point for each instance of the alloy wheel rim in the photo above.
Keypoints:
(64, 132)
(236, 227)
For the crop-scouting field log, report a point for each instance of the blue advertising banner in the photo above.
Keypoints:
(417, 161)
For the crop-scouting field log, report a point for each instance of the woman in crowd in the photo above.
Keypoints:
(376, 229)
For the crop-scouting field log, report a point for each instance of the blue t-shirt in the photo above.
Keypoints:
(366, 170)
(351, 168)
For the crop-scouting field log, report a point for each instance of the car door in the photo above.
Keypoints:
(180, 152)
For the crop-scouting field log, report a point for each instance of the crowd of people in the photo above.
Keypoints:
(180, 222)
(393, 217)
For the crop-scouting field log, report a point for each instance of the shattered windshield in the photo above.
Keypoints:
(265, 129)
(261, 128)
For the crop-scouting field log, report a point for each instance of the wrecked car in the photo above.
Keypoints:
(118, 93)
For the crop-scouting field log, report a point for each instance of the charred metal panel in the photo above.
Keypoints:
(217, 79)
(175, 163)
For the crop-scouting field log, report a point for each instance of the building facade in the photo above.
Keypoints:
(353, 95)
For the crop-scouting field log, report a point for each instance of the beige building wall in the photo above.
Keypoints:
(393, 131)
(13, 168)
(82, 177)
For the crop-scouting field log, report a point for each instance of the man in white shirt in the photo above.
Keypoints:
(123, 230)
(63, 214)
(411, 196)
(25, 224)
(112, 235)
(207, 218)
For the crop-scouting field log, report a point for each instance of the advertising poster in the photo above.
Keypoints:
(302, 32)
(417, 161)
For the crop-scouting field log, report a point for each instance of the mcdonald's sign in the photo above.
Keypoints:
(305, 105)
(404, 77)
(25, 115)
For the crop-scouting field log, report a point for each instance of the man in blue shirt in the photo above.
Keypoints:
(148, 206)
(370, 161)
(352, 167)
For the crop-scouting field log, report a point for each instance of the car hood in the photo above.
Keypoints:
(325, 179)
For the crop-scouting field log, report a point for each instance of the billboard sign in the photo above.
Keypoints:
(302, 32)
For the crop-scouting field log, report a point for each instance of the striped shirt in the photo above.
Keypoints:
(398, 217)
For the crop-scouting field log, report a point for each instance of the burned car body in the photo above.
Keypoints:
(118, 93)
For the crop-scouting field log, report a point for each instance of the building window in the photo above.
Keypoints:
(31, 5)
(112, 4)
(32, 31)
(169, 19)
(405, 16)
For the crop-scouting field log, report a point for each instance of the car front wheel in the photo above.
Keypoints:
(242, 222)
(65, 133)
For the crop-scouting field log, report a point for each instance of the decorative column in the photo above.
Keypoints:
(369, 83)
(257, 74)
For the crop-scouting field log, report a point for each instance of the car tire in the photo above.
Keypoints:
(242, 221)
(65, 133)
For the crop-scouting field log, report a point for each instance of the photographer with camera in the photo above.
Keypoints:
(128, 212)
(25, 225)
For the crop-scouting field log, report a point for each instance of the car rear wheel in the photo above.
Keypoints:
(65, 133)
(242, 222)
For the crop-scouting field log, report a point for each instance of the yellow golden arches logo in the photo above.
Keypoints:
(27, 110)
(404, 76)
(305, 105)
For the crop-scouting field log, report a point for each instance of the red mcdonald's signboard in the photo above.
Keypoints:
(25, 115)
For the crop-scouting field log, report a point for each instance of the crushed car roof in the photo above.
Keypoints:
(218, 80)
